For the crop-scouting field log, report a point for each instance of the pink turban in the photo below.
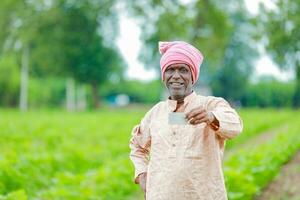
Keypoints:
(179, 52)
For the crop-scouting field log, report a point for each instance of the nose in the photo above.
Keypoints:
(176, 74)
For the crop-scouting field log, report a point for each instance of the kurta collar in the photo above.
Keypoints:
(173, 103)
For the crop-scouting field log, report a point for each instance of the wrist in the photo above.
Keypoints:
(213, 121)
(211, 117)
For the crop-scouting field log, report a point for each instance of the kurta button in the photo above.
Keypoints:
(173, 145)
(174, 133)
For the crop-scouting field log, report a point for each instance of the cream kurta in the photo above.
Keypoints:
(185, 160)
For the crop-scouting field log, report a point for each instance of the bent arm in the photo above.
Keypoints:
(228, 121)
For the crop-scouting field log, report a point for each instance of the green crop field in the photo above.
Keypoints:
(49, 155)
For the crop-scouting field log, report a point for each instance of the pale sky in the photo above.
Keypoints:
(130, 44)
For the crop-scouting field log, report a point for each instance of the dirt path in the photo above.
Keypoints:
(286, 185)
(257, 140)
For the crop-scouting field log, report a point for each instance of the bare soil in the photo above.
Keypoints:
(286, 185)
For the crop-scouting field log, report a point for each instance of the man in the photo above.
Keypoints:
(178, 146)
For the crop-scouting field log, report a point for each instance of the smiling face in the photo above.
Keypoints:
(178, 80)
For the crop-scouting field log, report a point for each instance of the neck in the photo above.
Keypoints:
(180, 99)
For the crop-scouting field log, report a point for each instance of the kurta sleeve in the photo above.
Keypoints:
(140, 143)
(230, 124)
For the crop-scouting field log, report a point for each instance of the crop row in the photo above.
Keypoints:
(249, 170)
(258, 121)
(56, 155)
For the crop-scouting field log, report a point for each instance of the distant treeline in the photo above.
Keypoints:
(62, 52)
(51, 93)
(269, 94)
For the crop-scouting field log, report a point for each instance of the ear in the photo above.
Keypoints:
(192, 79)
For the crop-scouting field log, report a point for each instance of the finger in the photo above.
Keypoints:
(193, 120)
(197, 117)
(203, 117)
(194, 112)
(203, 120)
(190, 113)
(196, 122)
(200, 116)
(199, 121)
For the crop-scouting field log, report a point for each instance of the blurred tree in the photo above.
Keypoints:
(76, 40)
(282, 29)
(87, 57)
(269, 92)
(62, 38)
(138, 91)
(46, 92)
(10, 11)
(16, 19)
(232, 77)
(9, 80)
(221, 30)
(48, 54)
(203, 23)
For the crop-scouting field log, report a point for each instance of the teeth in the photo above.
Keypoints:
(176, 84)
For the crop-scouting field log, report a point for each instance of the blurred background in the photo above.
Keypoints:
(85, 54)
(76, 75)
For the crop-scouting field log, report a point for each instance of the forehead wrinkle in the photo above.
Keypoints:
(179, 65)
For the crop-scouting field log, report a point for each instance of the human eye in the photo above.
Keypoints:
(169, 70)
(183, 70)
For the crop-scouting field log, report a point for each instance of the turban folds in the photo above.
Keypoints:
(179, 52)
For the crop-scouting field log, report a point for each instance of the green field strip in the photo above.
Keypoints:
(259, 121)
(60, 155)
(249, 170)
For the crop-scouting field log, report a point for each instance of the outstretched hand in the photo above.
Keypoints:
(199, 115)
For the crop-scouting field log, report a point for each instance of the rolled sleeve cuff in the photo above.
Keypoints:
(227, 128)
